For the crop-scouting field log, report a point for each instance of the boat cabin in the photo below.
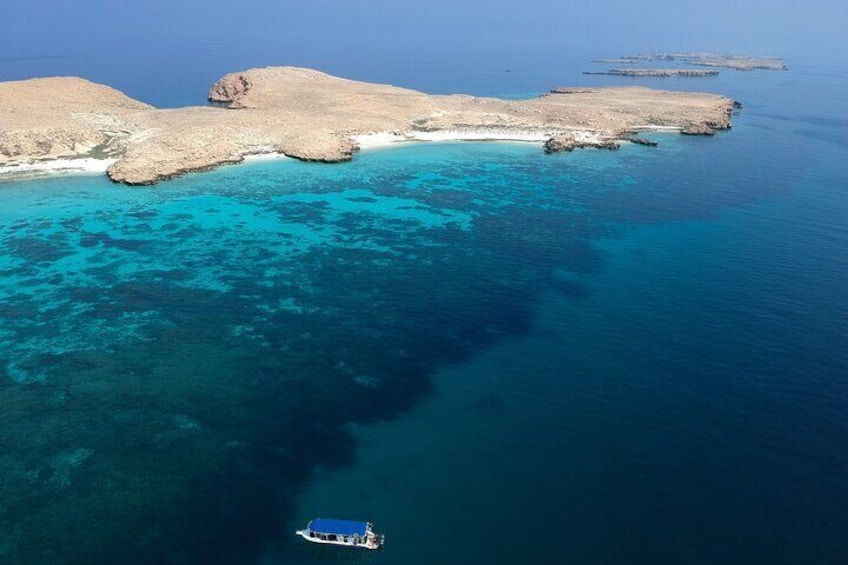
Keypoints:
(342, 532)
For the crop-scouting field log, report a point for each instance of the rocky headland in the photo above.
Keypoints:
(312, 116)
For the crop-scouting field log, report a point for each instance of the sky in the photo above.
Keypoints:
(779, 27)
(110, 40)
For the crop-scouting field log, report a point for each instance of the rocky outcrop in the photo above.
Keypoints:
(573, 90)
(570, 141)
(697, 129)
(50, 141)
(313, 116)
(230, 90)
(639, 141)
(320, 149)
(63, 117)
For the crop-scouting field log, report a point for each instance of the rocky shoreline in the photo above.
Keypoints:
(312, 116)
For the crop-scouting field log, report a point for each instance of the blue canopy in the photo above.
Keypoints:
(338, 527)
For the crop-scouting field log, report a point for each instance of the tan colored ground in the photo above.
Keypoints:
(308, 115)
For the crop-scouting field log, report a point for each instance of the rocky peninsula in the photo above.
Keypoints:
(312, 116)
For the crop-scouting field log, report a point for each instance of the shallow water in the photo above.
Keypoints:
(494, 354)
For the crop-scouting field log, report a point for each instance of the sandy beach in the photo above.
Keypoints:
(86, 165)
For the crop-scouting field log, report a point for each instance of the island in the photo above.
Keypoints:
(728, 61)
(663, 73)
(68, 122)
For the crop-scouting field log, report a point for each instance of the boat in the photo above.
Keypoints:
(346, 533)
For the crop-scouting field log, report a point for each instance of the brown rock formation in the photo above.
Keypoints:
(64, 117)
(229, 90)
(640, 141)
(569, 142)
(697, 129)
(311, 116)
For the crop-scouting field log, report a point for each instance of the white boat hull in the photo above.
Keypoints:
(370, 541)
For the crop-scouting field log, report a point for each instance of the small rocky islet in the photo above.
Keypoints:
(655, 72)
(718, 60)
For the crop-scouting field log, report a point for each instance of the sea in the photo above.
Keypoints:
(495, 355)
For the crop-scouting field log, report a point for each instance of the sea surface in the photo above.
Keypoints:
(495, 355)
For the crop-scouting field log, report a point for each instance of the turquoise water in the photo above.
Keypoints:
(495, 355)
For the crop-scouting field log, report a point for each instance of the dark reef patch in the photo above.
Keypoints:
(167, 395)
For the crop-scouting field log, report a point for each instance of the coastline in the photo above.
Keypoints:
(93, 166)
(389, 138)
(364, 141)
(311, 116)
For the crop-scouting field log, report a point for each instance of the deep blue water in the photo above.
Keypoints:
(497, 356)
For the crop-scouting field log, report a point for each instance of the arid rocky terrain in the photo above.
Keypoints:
(309, 115)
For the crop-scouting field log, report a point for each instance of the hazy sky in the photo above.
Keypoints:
(169, 52)
(790, 28)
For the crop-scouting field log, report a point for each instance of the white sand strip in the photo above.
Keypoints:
(264, 156)
(656, 128)
(378, 139)
(482, 134)
(384, 138)
(87, 165)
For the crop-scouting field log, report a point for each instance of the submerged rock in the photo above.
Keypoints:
(641, 141)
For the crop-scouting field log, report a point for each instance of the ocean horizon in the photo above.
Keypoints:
(493, 354)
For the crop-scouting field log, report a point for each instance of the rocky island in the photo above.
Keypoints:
(663, 73)
(735, 62)
(51, 123)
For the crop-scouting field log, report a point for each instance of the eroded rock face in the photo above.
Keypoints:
(63, 117)
(230, 90)
(320, 149)
(312, 116)
(569, 142)
(697, 129)
(56, 141)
